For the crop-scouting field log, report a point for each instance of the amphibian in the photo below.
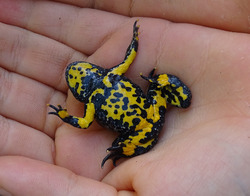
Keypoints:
(120, 105)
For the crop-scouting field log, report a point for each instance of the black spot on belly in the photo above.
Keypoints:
(107, 93)
(118, 95)
(134, 106)
(125, 103)
(138, 99)
(136, 121)
(128, 89)
(143, 113)
(114, 100)
(146, 104)
(131, 113)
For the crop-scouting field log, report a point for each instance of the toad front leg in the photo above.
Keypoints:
(78, 122)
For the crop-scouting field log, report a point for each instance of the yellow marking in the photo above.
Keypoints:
(176, 101)
(76, 79)
(106, 81)
(163, 80)
(89, 116)
(149, 143)
(129, 149)
(134, 141)
(137, 37)
(141, 135)
(150, 112)
(180, 90)
(84, 65)
(143, 123)
(160, 101)
(63, 114)
(94, 70)
(99, 90)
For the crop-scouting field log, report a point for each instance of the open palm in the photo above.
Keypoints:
(203, 150)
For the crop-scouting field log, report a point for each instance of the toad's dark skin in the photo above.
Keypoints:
(119, 104)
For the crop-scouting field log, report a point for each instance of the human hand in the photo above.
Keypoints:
(202, 150)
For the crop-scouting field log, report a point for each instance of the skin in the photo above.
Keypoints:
(203, 150)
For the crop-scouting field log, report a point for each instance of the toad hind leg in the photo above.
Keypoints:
(130, 53)
(130, 145)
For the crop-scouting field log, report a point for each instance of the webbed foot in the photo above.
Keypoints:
(130, 145)
(115, 153)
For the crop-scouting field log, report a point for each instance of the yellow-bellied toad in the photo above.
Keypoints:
(119, 104)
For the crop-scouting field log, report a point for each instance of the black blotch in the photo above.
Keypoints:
(114, 100)
(134, 106)
(70, 76)
(107, 93)
(138, 99)
(138, 91)
(136, 121)
(122, 85)
(146, 104)
(98, 100)
(115, 112)
(131, 113)
(125, 105)
(126, 87)
(126, 125)
(154, 93)
(79, 68)
(150, 121)
(117, 106)
(143, 113)
(116, 87)
(135, 133)
(122, 117)
(102, 115)
(118, 95)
